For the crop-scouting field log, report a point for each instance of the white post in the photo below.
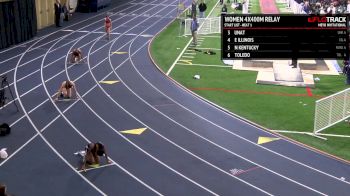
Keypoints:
(315, 120)
(330, 112)
(344, 106)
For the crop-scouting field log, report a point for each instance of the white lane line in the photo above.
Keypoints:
(232, 115)
(208, 48)
(211, 36)
(203, 65)
(59, 59)
(190, 53)
(60, 39)
(69, 122)
(29, 41)
(26, 76)
(188, 57)
(173, 143)
(113, 68)
(54, 93)
(125, 138)
(245, 121)
(61, 30)
(52, 121)
(67, 110)
(39, 133)
(204, 138)
(88, 56)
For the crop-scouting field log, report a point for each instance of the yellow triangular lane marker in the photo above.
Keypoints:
(134, 131)
(117, 52)
(263, 140)
(109, 81)
(189, 62)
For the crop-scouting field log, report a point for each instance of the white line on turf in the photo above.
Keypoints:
(204, 65)
(185, 48)
(208, 48)
(211, 36)
(232, 115)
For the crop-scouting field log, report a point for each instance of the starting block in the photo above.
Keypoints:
(66, 99)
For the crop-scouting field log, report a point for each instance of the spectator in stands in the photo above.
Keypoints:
(224, 9)
(348, 7)
(76, 55)
(307, 8)
(58, 11)
(316, 8)
(202, 7)
(322, 9)
(312, 2)
(331, 9)
(194, 28)
(194, 8)
(329, 6)
(108, 26)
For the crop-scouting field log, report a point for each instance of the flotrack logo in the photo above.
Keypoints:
(324, 19)
(318, 19)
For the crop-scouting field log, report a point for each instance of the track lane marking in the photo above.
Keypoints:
(45, 36)
(215, 144)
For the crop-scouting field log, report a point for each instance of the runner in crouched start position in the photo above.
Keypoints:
(91, 155)
(66, 90)
(76, 56)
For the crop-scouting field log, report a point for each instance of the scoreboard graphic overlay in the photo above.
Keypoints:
(284, 37)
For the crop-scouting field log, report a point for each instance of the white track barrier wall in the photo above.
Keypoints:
(206, 25)
(331, 110)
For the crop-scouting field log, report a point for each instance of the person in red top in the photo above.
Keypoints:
(108, 26)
